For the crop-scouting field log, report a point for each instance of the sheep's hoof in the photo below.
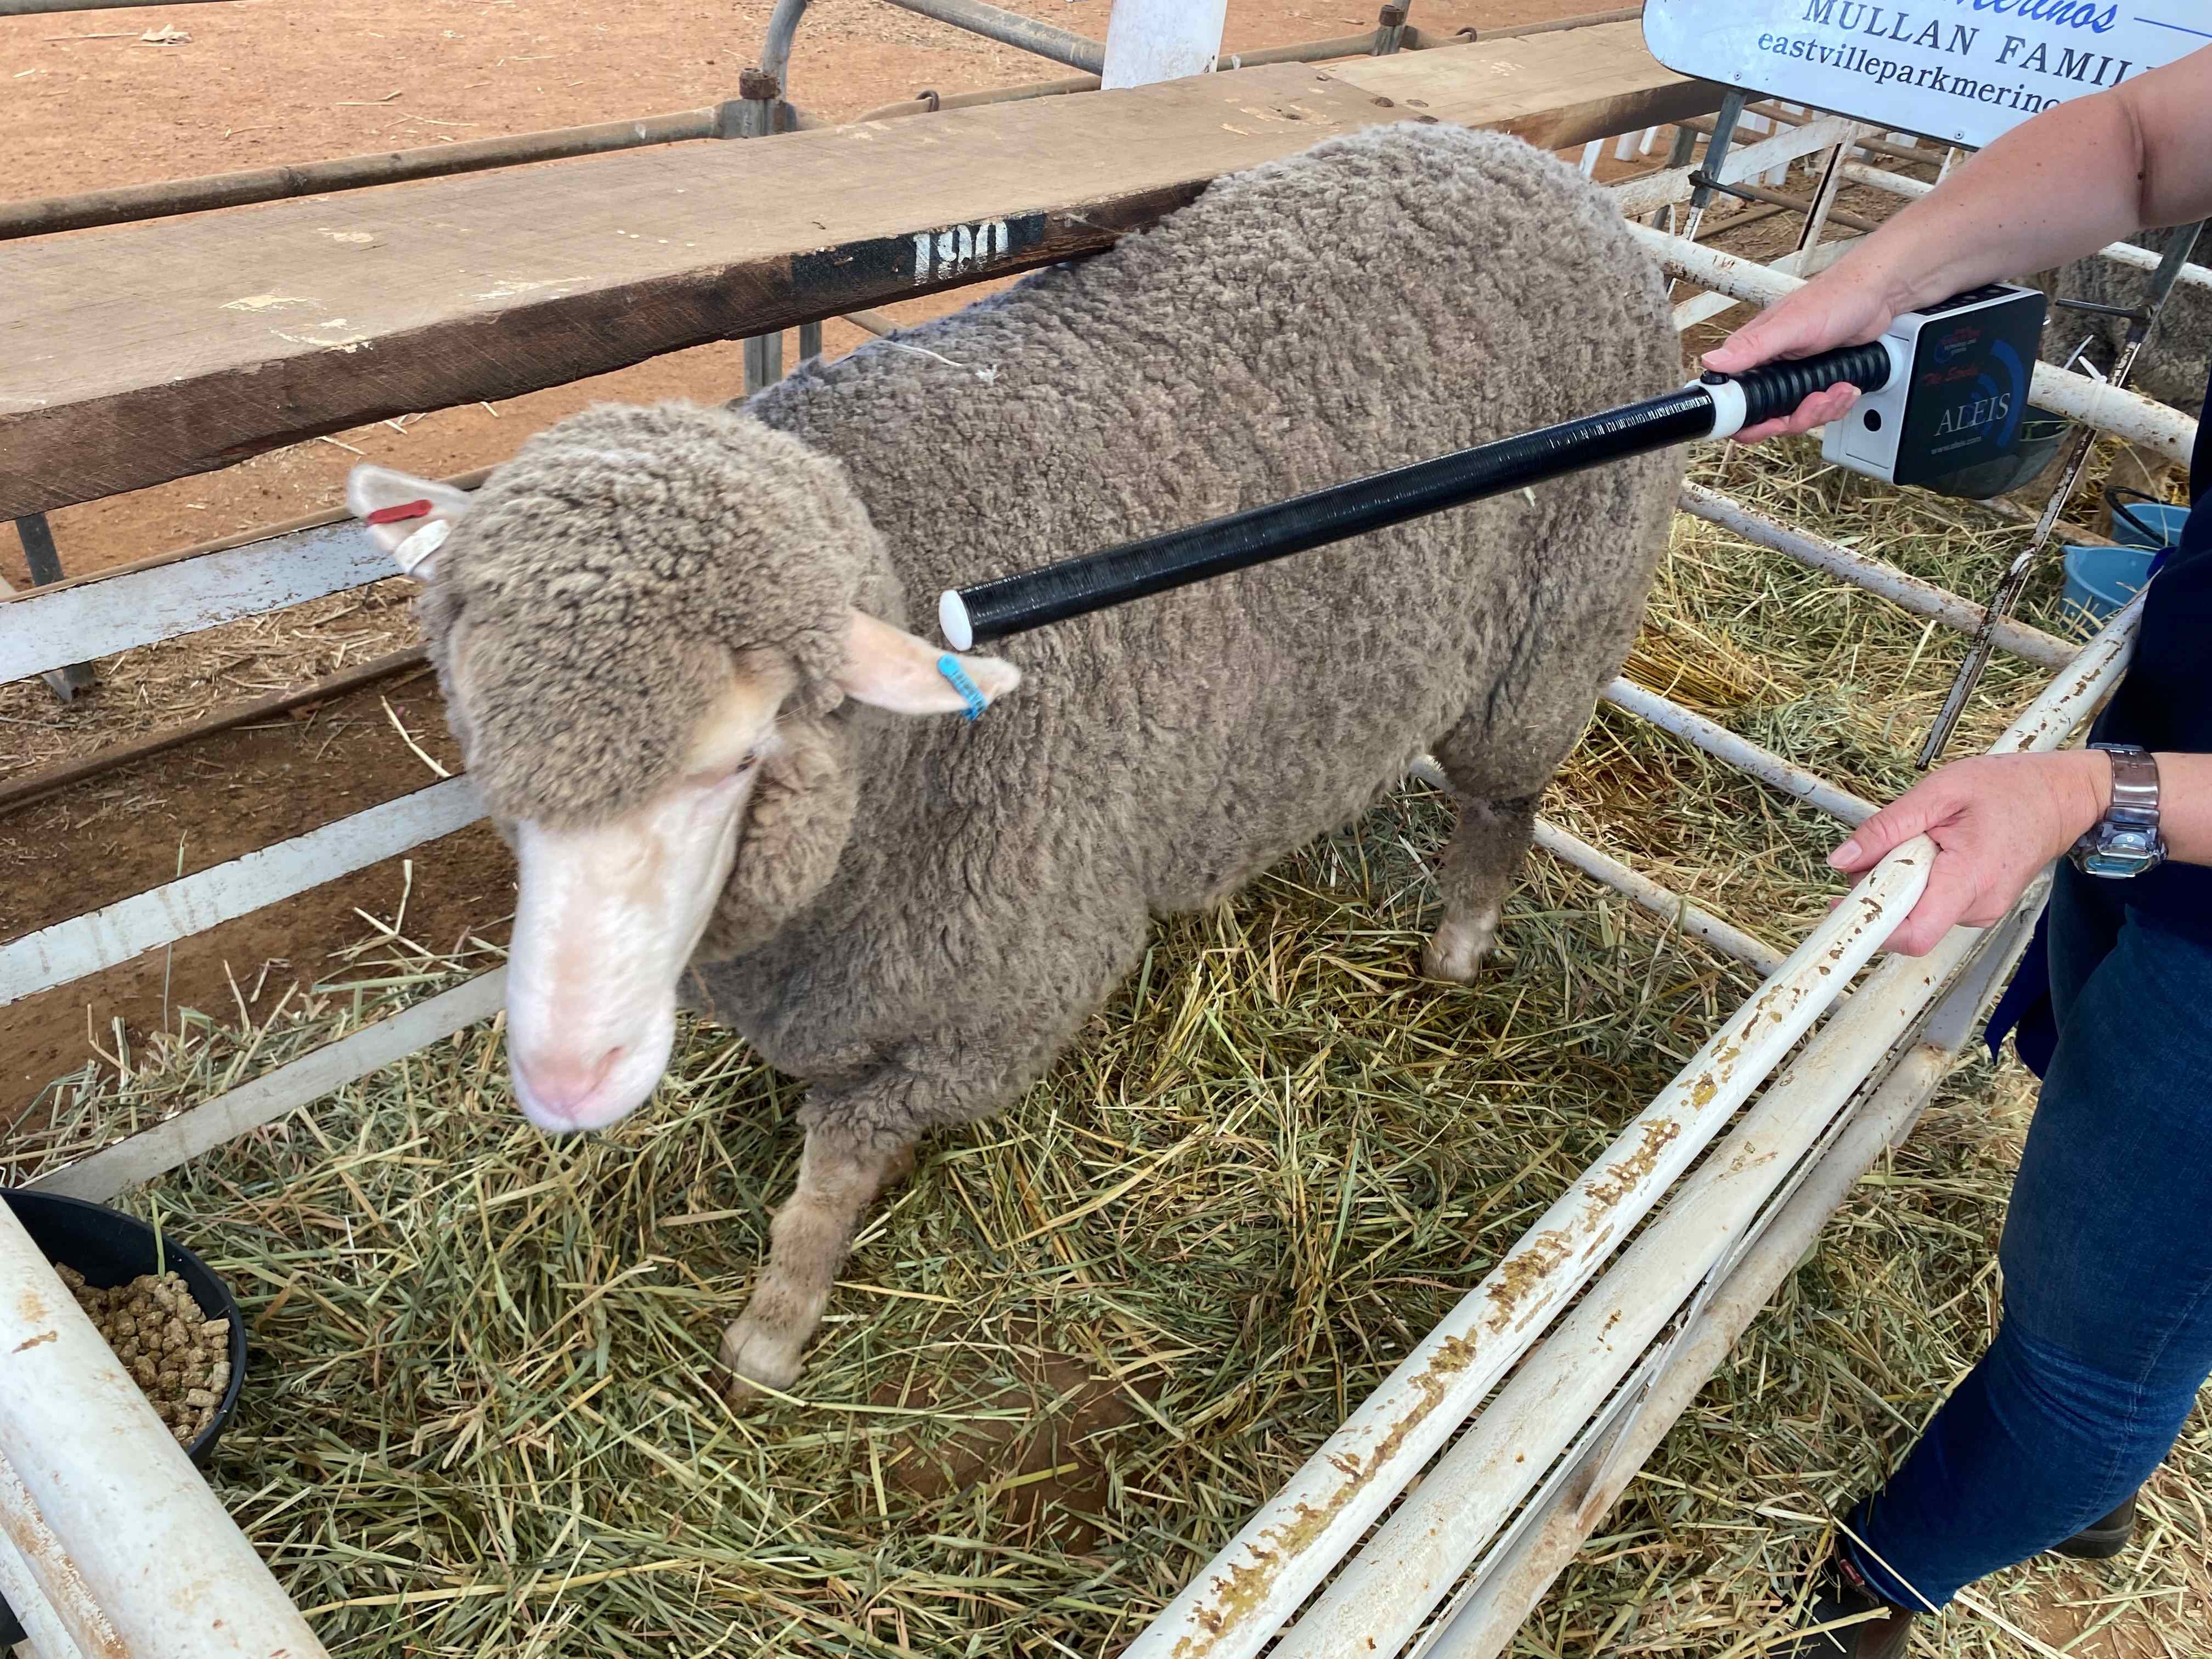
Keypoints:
(753, 1357)
(1456, 952)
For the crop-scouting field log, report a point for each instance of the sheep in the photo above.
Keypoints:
(677, 647)
(2171, 367)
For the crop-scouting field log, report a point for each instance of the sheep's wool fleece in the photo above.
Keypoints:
(1385, 296)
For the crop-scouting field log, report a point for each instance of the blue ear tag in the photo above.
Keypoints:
(977, 702)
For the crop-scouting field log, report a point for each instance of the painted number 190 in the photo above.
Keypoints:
(958, 250)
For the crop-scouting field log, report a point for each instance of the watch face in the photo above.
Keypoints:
(2117, 859)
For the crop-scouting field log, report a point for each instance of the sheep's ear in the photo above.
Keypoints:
(408, 516)
(887, 667)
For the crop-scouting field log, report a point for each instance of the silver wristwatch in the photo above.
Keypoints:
(2125, 841)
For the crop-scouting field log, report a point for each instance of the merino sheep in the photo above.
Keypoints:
(2171, 367)
(673, 644)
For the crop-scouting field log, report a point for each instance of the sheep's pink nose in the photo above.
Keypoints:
(563, 1085)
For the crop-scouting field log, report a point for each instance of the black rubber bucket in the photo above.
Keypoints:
(109, 1248)
(2041, 435)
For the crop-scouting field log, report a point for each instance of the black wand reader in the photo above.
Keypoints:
(1957, 393)
(1945, 390)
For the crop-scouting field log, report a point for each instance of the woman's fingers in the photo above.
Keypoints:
(1914, 812)
(1794, 328)
(1818, 409)
(1953, 887)
(1833, 310)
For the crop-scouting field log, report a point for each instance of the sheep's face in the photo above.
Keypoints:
(612, 904)
(607, 915)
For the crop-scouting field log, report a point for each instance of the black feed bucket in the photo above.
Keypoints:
(2041, 434)
(109, 1248)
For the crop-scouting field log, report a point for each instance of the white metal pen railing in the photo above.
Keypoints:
(1255, 1585)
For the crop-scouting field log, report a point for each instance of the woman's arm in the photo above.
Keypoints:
(1998, 819)
(2061, 184)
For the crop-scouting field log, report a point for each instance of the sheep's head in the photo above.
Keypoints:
(644, 625)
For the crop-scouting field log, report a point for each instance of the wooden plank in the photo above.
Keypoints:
(22, 790)
(1555, 90)
(136, 354)
(44, 628)
(85, 945)
(100, 1176)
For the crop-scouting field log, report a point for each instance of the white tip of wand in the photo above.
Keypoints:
(952, 622)
(1730, 407)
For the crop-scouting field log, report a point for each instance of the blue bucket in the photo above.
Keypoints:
(2147, 524)
(2100, 580)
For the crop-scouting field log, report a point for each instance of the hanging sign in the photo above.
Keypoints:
(1960, 71)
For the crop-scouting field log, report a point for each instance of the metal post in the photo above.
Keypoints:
(45, 564)
(754, 113)
(2180, 246)
(1153, 40)
(1717, 149)
(776, 45)
(764, 361)
(1678, 157)
(1390, 29)
(1824, 199)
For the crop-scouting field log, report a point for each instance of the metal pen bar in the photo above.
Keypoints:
(1765, 198)
(1013, 29)
(1823, 206)
(46, 8)
(129, 204)
(44, 561)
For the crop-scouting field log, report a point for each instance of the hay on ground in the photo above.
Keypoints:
(1072, 1354)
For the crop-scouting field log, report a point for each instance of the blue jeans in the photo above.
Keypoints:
(2108, 1253)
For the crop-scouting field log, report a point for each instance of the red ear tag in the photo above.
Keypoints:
(394, 514)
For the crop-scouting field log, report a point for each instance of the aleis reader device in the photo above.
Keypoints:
(1957, 393)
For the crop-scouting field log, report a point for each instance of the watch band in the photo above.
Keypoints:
(2135, 785)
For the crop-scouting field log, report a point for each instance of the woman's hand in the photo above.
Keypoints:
(1840, 307)
(1995, 820)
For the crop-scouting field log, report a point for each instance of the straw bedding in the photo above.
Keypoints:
(1075, 1351)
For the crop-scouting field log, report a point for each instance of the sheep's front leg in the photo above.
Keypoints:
(838, 1182)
